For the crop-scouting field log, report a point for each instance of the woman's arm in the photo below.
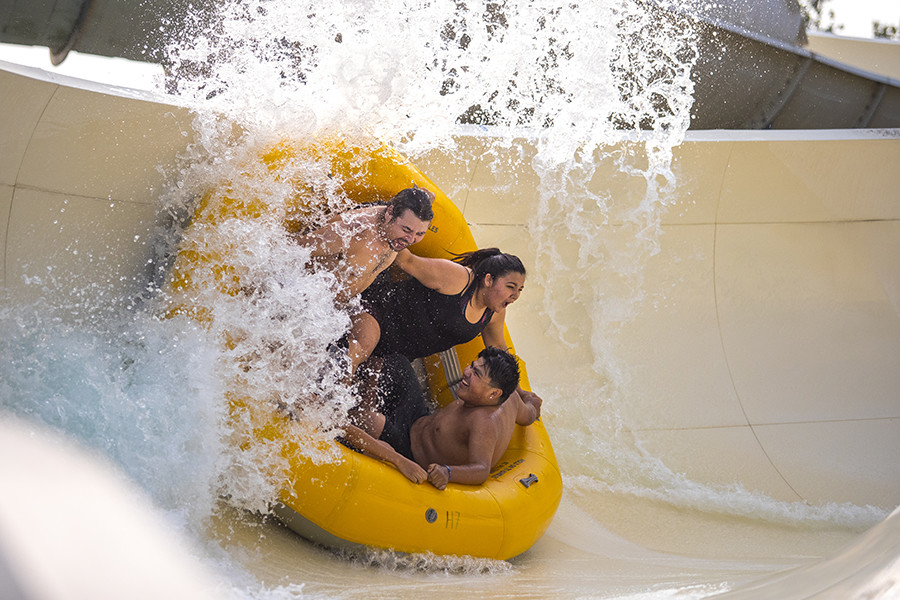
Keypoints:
(492, 335)
(441, 275)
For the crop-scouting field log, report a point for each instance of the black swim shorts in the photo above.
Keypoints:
(402, 402)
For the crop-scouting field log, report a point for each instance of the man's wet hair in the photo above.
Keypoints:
(502, 369)
(416, 199)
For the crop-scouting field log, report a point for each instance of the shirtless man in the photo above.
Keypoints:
(360, 243)
(460, 442)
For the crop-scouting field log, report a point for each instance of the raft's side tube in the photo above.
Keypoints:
(357, 499)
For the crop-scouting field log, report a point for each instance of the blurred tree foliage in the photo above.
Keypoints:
(885, 31)
(819, 16)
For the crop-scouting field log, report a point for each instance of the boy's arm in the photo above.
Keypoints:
(383, 451)
(528, 406)
(482, 438)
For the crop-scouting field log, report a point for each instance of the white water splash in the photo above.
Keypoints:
(140, 391)
(604, 91)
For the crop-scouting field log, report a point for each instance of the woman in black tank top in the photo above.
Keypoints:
(442, 304)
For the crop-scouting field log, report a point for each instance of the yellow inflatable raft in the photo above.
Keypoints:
(357, 500)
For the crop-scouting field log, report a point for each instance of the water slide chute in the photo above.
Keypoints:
(779, 262)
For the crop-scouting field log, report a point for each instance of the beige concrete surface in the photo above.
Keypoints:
(765, 348)
(876, 56)
(6, 195)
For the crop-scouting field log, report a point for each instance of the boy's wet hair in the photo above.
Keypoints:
(502, 369)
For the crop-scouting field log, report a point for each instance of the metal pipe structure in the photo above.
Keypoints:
(752, 71)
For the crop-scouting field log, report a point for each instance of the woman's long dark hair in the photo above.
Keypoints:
(489, 261)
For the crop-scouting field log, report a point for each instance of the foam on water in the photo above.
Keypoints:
(139, 390)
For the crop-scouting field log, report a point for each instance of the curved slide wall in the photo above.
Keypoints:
(874, 55)
(772, 360)
(768, 348)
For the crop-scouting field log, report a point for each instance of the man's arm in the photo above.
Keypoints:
(325, 241)
(383, 451)
(441, 275)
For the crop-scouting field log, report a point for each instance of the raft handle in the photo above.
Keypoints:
(527, 481)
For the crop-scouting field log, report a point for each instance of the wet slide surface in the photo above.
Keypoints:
(723, 396)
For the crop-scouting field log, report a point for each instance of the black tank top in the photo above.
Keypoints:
(417, 321)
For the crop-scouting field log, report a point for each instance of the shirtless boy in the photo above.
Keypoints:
(460, 442)
(359, 244)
